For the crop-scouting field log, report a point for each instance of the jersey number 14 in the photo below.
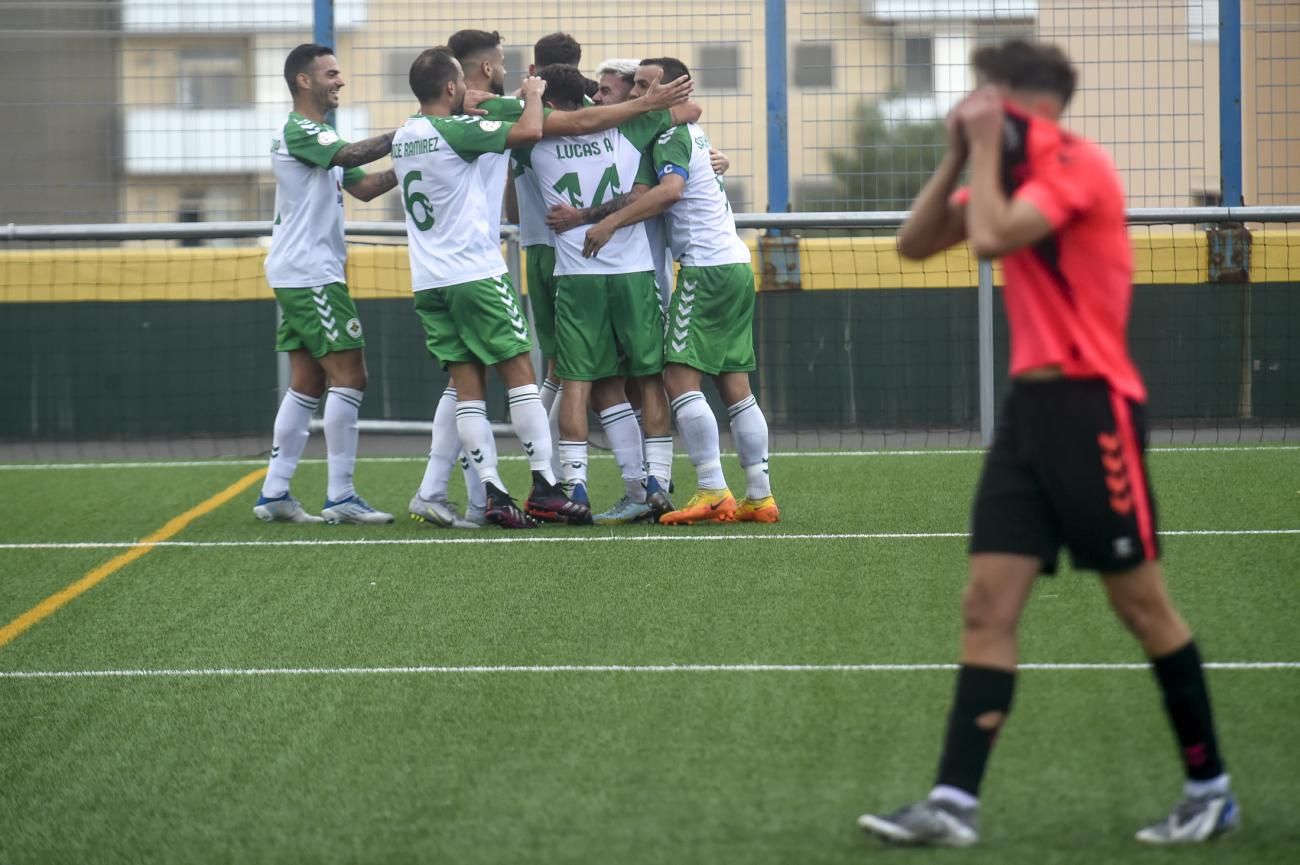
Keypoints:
(606, 189)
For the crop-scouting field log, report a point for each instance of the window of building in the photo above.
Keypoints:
(516, 68)
(814, 64)
(992, 34)
(397, 72)
(717, 67)
(918, 64)
(211, 77)
(738, 194)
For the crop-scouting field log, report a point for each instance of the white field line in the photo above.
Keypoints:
(591, 668)
(183, 464)
(576, 539)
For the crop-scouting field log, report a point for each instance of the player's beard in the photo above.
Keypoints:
(497, 87)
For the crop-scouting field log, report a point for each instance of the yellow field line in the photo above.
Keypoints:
(170, 529)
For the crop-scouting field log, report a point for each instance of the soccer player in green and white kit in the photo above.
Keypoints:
(710, 328)
(483, 61)
(463, 293)
(320, 328)
(608, 321)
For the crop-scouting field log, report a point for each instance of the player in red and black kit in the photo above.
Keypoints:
(1067, 463)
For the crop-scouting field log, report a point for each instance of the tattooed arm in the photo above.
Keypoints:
(360, 152)
(561, 217)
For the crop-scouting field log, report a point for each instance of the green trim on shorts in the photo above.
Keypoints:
(473, 321)
(539, 263)
(608, 325)
(321, 319)
(711, 319)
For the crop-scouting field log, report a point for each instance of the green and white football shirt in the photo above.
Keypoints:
(307, 246)
(533, 230)
(447, 211)
(587, 171)
(496, 168)
(701, 226)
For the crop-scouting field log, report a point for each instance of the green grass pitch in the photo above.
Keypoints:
(404, 712)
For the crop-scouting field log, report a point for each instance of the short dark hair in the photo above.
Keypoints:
(1023, 65)
(300, 60)
(672, 67)
(430, 73)
(565, 85)
(470, 43)
(556, 48)
(589, 87)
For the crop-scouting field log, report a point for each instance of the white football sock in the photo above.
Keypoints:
(444, 446)
(532, 428)
(953, 795)
(659, 459)
(625, 440)
(749, 434)
(292, 427)
(549, 391)
(476, 437)
(1216, 786)
(341, 410)
(699, 428)
(573, 462)
(553, 422)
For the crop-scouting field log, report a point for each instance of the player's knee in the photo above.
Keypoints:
(1143, 614)
(983, 610)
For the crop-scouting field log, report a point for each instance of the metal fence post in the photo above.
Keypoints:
(778, 165)
(1230, 103)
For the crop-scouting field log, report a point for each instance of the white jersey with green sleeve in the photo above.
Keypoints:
(701, 225)
(447, 211)
(498, 170)
(307, 246)
(587, 171)
(533, 230)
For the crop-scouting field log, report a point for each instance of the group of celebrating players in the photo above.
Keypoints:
(622, 154)
(1067, 464)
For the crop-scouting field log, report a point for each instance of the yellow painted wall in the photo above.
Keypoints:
(1161, 257)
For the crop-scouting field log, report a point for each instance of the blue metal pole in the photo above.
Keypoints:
(323, 22)
(1230, 102)
(778, 168)
(322, 33)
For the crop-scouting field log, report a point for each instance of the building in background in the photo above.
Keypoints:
(163, 110)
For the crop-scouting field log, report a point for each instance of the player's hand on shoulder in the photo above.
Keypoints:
(475, 98)
(532, 86)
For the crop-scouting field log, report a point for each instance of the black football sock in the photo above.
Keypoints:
(1187, 701)
(980, 691)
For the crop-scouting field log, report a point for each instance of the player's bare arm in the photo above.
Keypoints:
(598, 118)
(528, 129)
(654, 202)
(511, 203)
(936, 222)
(562, 217)
(372, 186)
(362, 152)
(994, 224)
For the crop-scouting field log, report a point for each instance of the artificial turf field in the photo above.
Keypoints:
(650, 694)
